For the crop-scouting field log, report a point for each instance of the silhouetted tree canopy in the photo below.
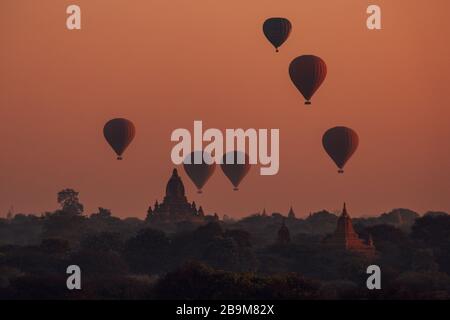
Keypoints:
(69, 202)
(233, 259)
(148, 251)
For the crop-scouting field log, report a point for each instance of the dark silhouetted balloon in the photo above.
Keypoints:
(235, 165)
(308, 73)
(277, 30)
(199, 173)
(340, 143)
(119, 133)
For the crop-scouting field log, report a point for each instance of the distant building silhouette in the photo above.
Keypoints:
(10, 214)
(291, 213)
(264, 213)
(284, 236)
(346, 238)
(175, 206)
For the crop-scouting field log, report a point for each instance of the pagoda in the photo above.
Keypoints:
(291, 213)
(283, 236)
(175, 206)
(345, 237)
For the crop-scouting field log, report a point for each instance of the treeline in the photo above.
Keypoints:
(131, 259)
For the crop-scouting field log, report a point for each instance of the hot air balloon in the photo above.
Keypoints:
(277, 30)
(307, 73)
(119, 133)
(340, 143)
(199, 173)
(235, 166)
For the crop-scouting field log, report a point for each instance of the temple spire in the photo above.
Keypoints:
(291, 213)
(344, 210)
(175, 187)
(346, 238)
(283, 236)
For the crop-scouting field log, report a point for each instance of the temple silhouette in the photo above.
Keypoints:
(345, 237)
(283, 236)
(175, 206)
(291, 213)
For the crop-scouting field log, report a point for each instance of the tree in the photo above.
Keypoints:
(423, 260)
(197, 281)
(104, 241)
(69, 202)
(95, 263)
(222, 253)
(434, 232)
(55, 246)
(63, 225)
(102, 213)
(385, 236)
(148, 252)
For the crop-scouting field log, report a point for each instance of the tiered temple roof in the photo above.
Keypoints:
(346, 238)
(175, 206)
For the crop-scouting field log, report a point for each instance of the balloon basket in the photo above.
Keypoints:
(235, 189)
(340, 171)
(308, 103)
(119, 158)
(199, 191)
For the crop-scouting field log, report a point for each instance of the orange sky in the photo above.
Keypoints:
(165, 63)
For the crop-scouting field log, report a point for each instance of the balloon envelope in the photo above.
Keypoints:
(340, 143)
(277, 31)
(307, 73)
(201, 172)
(119, 133)
(235, 165)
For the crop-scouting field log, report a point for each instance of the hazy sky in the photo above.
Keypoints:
(165, 63)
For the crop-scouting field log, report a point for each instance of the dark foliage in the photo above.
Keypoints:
(134, 259)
